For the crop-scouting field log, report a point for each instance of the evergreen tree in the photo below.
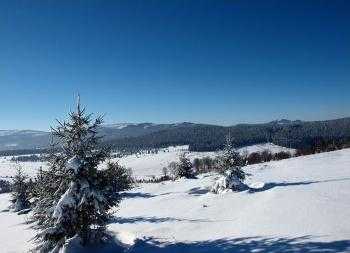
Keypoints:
(230, 165)
(184, 167)
(117, 178)
(231, 160)
(20, 191)
(74, 197)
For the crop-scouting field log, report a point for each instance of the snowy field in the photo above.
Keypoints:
(143, 165)
(266, 146)
(299, 205)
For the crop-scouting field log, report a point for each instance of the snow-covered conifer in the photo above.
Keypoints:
(230, 165)
(20, 191)
(183, 168)
(231, 160)
(74, 198)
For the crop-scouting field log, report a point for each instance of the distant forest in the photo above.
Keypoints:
(200, 137)
(293, 134)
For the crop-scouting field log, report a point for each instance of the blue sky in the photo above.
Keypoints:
(220, 62)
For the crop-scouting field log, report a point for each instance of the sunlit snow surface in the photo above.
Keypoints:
(297, 205)
(143, 165)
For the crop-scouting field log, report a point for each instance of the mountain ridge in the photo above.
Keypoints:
(200, 136)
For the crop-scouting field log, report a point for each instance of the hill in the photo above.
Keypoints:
(298, 205)
(200, 137)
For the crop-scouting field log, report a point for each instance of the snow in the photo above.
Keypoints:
(13, 132)
(151, 165)
(143, 165)
(305, 197)
(119, 125)
(11, 145)
(14, 233)
(226, 183)
(74, 164)
(266, 146)
(7, 132)
(300, 204)
(66, 200)
(8, 167)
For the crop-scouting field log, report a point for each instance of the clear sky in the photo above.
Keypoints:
(221, 62)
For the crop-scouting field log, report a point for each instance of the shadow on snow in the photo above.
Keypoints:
(243, 245)
(153, 219)
(197, 191)
(269, 186)
(130, 195)
(237, 245)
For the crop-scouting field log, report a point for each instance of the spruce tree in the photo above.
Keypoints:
(231, 160)
(20, 191)
(184, 167)
(74, 197)
(230, 165)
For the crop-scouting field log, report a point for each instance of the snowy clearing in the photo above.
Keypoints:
(266, 146)
(297, 205)
(143, 165)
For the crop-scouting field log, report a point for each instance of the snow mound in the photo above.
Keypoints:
(228, 182)
(256, 185)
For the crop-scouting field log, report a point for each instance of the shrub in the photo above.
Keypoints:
(5, 186)
(254, 158)
(266, 156)
(282, 155)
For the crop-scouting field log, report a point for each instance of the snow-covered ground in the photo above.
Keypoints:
(8, 167)
(149, 165)
(266, 146)
(143, 165)
(302, 204)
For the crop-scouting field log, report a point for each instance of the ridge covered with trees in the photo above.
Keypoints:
(302, 135)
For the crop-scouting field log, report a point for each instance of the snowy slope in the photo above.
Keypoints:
(14, 232)
(305, 197)
(303, 207)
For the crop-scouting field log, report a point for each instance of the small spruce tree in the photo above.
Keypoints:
(230, 165)
(20, 191)
(183, 168)
(231, 160)
(74, 197)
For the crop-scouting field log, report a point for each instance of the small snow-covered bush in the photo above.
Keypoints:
(228, 181)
